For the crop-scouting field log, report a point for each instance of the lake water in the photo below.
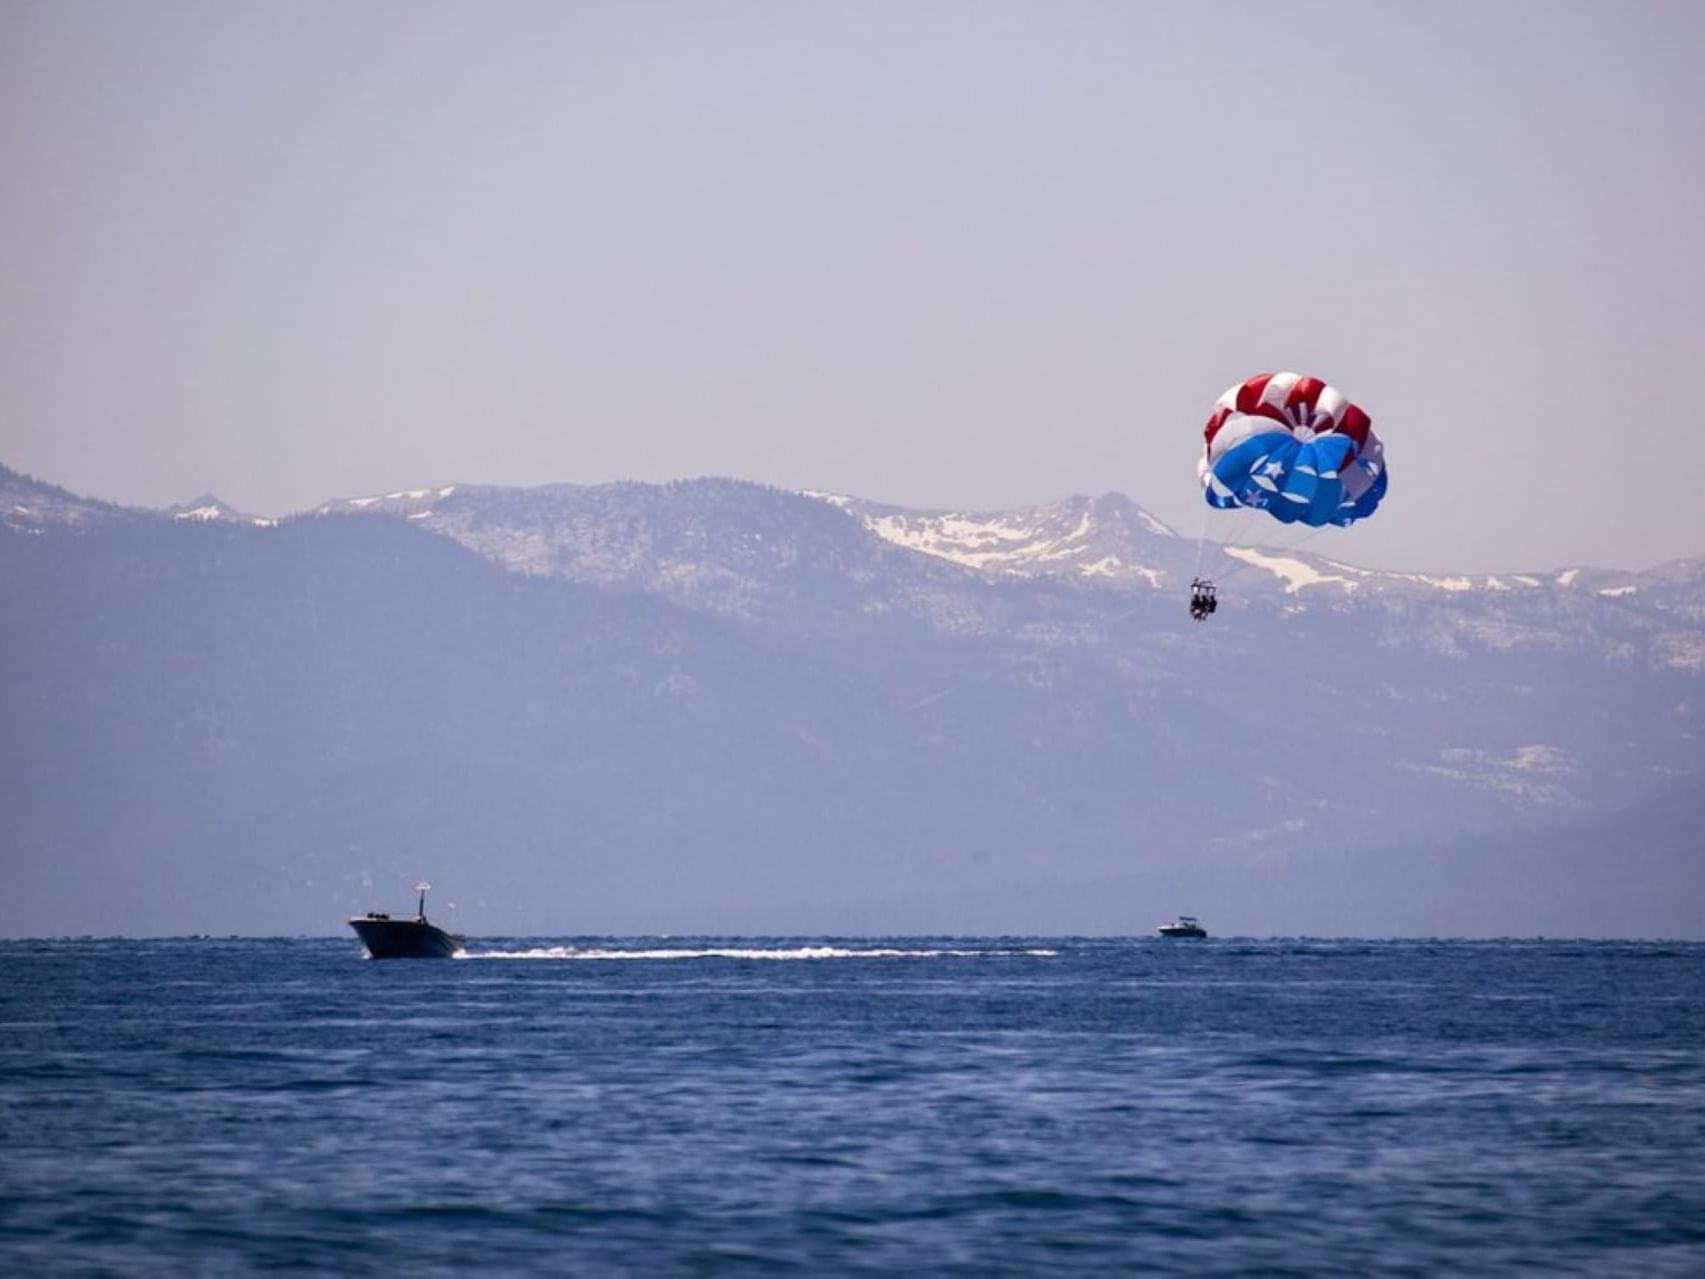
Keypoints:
(827, 1107)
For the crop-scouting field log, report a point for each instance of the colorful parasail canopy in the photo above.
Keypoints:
(1294, 447)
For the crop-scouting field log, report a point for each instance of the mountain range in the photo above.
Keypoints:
(714, 706)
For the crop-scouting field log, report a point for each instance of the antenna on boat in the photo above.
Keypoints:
(423, 888)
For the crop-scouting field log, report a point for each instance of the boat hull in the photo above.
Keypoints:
(1182, 933)
(405, 938)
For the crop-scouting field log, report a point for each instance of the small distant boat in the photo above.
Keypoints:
(387, 938)
(1184, 926)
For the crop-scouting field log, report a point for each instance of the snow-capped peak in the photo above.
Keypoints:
(208, 509)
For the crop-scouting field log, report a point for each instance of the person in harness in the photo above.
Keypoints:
(1202, 601)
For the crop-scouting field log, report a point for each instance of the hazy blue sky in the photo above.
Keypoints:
(941, 254)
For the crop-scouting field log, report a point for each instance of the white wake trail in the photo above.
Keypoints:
(741, 952)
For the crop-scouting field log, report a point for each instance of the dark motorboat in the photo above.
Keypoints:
(1184, 926)
(387, 938)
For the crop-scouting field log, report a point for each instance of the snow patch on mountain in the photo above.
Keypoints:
(983, 543)
(1294, 572)
(1462, 583)
(1534, 774)
(1108, 540)
(28, 505)
(208, 509)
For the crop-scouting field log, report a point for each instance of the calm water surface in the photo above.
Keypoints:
(811, 1107)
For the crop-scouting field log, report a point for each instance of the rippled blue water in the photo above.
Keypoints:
(818, 1108)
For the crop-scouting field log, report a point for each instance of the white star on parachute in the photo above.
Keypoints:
(1273, 468)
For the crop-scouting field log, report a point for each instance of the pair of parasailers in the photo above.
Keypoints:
(1202, 600)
